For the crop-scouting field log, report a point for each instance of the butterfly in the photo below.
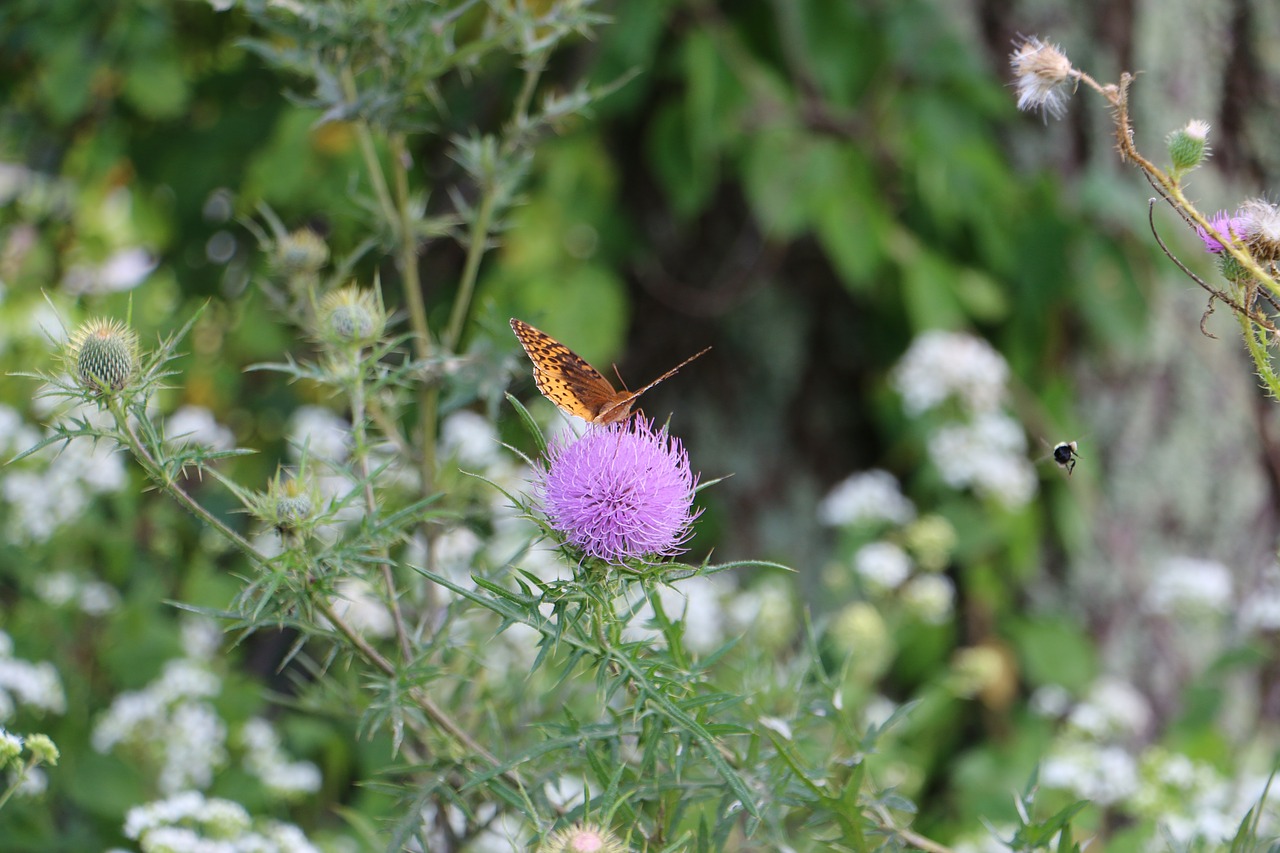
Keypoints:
(576, 387)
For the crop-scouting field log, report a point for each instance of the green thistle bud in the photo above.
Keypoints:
(288, 505)
(103, 355)
(301, 253)
(1188, 146)
(351, 316)
(583, 838)
(1232, 270)
(43, 749)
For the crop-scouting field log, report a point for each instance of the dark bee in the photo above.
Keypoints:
(1065, 454)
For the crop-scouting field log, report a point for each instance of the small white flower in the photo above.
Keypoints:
(883, 565)
(1113, 708)
(866, 497)
(470, 439)
(930, 597)
(1189, 586)
(197, 425)
(942, 365)
(1105, 774)
(322, 432)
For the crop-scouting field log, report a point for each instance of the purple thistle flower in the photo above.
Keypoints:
(1231, 226)
(620, 491)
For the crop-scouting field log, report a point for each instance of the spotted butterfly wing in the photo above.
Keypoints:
(576, 387)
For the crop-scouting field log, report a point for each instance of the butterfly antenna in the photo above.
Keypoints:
(622, 382)
(669, 373)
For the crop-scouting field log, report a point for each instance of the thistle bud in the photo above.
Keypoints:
(300, 253)
(351, 316)
(103, 356)
(288, 505)
(1188, 146)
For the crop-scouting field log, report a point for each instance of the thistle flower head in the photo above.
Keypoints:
(1041, 69)
(103, 355)
(351, 316)
(1260, 228)
(1230, 226)
(620, 491)
(583, 838)
(301, 252)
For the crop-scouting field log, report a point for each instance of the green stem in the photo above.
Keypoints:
(158, 476)
(361, 451)
(423, 344)
(477, 243)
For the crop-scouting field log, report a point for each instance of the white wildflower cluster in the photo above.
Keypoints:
(324, 434)
(1189, 586)
(67, 589)
(359, 605)
(172, 724)
(1194, 805)
(696, 602)
(25, 684)
(882, 565)
(503, 833)
(196, 425)
(55, 485)
(265, 759)
(470, 440)
(123, 270)
(978, 445)
(931, 598)
(1261, 609)
(941, 366)
(1090, 759)
(1105, 774)
(173, 728)
(188, 821)
(867, 497)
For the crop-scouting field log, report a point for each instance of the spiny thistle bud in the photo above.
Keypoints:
(1232, 270)
(1188, 146)
(1260, 229)
(288, 505)
(1041, 69)
(351, 316)
(583, 838)
(103, 355)
(301, 252)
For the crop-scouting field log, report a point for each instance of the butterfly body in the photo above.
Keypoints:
(576, 387)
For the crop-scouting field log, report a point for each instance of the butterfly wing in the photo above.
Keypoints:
(563, 376)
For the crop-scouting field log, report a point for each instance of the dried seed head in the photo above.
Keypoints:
(1041, 69)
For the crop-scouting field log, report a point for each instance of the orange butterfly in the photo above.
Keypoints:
(576, 387)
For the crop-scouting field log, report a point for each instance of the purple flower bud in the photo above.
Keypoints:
(620, 491)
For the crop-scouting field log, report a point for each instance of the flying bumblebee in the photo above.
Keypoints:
(1065, 454)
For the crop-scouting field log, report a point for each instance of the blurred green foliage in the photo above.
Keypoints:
(806, 185)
